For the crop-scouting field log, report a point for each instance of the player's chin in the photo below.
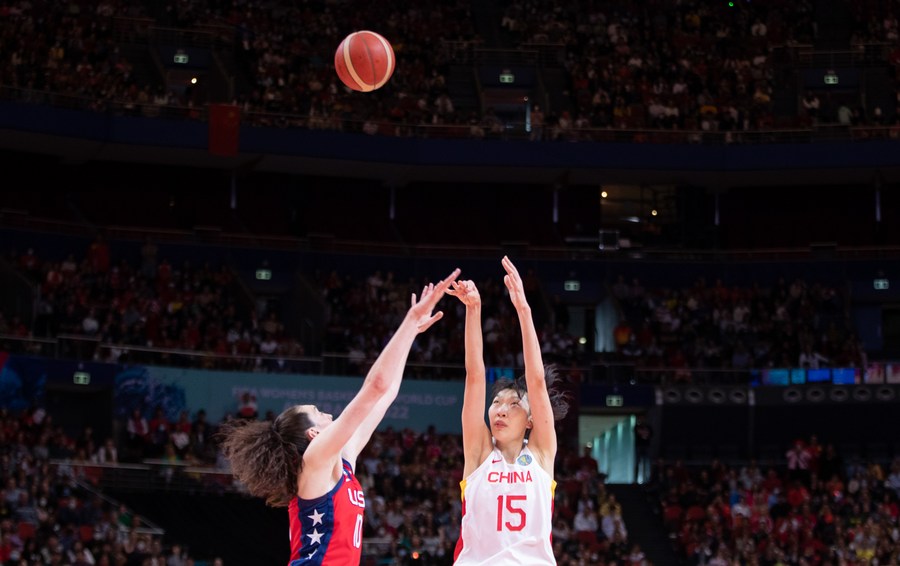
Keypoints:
(502, 432)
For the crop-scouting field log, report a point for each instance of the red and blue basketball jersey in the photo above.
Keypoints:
(328, 530)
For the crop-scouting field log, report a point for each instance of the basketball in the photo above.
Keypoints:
(364, 61)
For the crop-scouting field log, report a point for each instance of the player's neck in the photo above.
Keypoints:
(511, 449)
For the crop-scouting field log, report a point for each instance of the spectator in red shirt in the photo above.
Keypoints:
(797, 495)
(160, 427)
(247, 408)
(98, 255)
(163, 274)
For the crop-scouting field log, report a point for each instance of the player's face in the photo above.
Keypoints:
(320, 420)
(509, 414)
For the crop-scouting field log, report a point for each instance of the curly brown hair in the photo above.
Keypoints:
(267, 457)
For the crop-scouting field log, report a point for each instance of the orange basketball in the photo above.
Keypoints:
(364, 61)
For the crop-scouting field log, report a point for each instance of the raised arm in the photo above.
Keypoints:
(542, 440)
(350, 432)
(476, 434)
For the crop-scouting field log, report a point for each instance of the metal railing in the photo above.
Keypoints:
(27, 345)
(585, 249)
(93, 478)
(512, 57)
(859, 55)
(512, 130)
(176, 357)
(609, 371)
(151, 474)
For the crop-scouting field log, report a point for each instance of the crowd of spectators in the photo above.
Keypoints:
(714, 326)
(809, 507)
(360, 312)
(694, 66)
(51, 512)
(52, 509)
(175, 309)
(672, 334)
(198, 315)
(812, 507)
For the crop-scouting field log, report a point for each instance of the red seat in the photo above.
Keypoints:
(572, 487)
(672, 514)
(695, 513)
(93, 474)
(26, 530)
(86, 532)
(589, 539)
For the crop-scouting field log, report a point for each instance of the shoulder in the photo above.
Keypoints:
(491, 456)
(348, 466)
(544, 461)
(544, 456)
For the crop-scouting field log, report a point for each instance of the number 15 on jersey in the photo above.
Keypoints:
(510, 513)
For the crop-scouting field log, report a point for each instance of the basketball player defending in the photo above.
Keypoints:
(305, 459)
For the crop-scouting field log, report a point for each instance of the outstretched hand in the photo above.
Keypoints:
(421, 308)
(466, 292)
(514, 284)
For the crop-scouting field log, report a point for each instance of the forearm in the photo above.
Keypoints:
(475, 434)
(387, 370)
(380, 388)
(474, 341)
(531, 347)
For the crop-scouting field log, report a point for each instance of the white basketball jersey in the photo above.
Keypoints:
(507, 513)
